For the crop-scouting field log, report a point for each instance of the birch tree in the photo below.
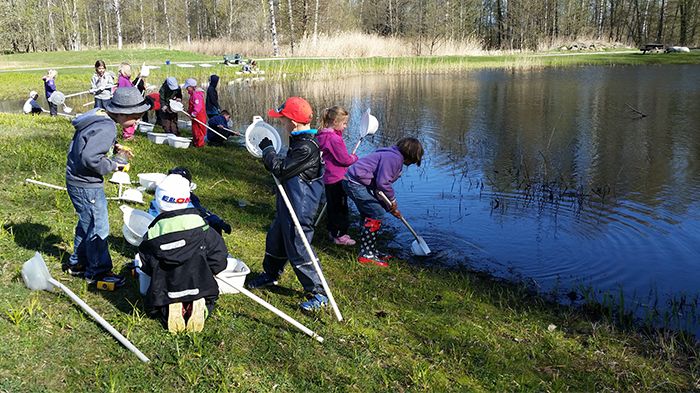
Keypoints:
(118, 18)
(291, 26)
(315, 37)
(167, 24)
(273, 29)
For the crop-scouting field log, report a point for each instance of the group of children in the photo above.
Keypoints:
(105, 83)
(183, 248)
(316, 160)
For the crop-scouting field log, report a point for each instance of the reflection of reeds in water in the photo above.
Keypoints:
(520, 185)
(679, 314)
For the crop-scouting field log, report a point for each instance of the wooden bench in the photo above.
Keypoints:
(652, 48)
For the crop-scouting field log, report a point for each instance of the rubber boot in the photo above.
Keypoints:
(368, 243)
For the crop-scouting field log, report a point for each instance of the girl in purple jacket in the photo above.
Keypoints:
(337, 160)
(371, 175)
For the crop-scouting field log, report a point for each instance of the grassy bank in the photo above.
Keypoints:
(406, 328)
(16, 84)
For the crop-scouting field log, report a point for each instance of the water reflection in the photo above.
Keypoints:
(548, 175)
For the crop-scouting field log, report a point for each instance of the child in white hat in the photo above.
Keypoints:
(182, 254)
(31, 105)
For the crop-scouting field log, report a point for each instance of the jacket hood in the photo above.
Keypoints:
(91, 117)
(214, 81)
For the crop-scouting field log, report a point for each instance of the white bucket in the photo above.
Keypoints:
(144, 279)
(234, 274)
(136, 224)
(150, 180)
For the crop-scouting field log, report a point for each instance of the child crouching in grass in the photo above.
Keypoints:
(300, 172)
(370, 175)
(182, 254)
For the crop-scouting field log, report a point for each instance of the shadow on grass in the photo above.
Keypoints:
(38, 237)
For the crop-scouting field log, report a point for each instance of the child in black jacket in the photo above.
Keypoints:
(182, 254)
(301, 173)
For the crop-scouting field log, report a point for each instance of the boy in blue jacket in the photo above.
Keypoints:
(300, 172)
(87, 164)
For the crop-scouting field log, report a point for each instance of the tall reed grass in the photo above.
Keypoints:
(344, 45)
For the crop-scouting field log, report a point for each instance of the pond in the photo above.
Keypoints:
(550, 177)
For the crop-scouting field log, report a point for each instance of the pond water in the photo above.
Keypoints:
(550, 177)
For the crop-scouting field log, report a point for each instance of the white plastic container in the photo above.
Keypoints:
(136, 224)
(150, 180)
(157, 137)
(178, 142)
(145, 127)
(234, 274)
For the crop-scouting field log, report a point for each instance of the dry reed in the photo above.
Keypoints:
(343, 45)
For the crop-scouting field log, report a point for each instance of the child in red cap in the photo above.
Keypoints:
(301, 173)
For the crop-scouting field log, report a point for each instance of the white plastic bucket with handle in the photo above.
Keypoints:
(234, 274)
(136, 224)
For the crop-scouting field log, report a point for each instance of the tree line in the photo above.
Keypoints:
(49, 25)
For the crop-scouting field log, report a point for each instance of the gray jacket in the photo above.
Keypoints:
(95, 134)
(100, 83)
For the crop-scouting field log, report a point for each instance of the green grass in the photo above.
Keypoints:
(406, 328)
(16, 84)
(88, 58)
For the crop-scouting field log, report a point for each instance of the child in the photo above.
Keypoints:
(124, 76)
(95, 135)
(49, 88)
(213, 108)
(102, 83)
(219, 122)
(196, 110)
(31, 106)
(170, 90)
(212, 219)
(153, 98)
(372, 174)
(300, 172)
(125, 81)
(182, 255)
(337, 160)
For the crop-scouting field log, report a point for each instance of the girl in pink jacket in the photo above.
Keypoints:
(197, 111)
(124, 80)
(337, 160)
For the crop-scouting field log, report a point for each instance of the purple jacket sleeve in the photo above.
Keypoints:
(339, 151)
(386, 174)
